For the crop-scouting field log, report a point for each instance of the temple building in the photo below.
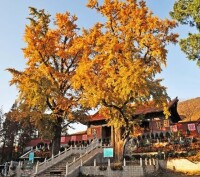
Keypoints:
(153, 121)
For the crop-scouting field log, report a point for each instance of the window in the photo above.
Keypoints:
(158, 125)
(166, 123)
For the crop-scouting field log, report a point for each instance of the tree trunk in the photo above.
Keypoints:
(10, 147)
(118, 145)
(2, 153)
(57, 136)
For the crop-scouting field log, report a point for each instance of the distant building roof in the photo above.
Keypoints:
(36, 141)
(96, 117)
(78, 133)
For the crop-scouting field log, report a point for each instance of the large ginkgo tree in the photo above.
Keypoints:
(120, 60)
(46, 97)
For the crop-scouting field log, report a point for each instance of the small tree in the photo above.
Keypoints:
(8, 133)
(187, 13)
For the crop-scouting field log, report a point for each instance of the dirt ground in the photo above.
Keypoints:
(168, 173)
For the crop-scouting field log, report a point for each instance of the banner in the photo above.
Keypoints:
(73, 138)
(173, 128)
(191, 127)
(84, 137)
(63, 139)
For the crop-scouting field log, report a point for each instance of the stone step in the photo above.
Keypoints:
(59, 168)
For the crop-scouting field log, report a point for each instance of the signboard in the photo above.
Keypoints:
(108, 152)
(31, 156)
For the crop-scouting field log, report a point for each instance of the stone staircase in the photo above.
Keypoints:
(58, 169)
(67, 162)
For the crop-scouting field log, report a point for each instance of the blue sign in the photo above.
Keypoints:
(31, 156)
(108, 152)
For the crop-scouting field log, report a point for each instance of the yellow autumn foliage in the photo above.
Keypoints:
(121, 57)
(45, 92)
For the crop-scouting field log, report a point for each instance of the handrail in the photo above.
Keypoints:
(25, 154)
(70, 168)
(41, 167)
(30, 150)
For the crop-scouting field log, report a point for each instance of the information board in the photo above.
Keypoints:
(31, 156)
(108, 152)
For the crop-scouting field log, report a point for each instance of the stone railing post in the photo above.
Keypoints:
(109, 162)
(154, 163)
(52, 158)
(59, 154)
(150, 161)
(95, 162)
(145, 160)
(81, 162)
(140, 161)
(124, 162)
(45, 161)
(67, 167)
(19, 164)
(36, 168)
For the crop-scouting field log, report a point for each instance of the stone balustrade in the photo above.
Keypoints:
(85, 150)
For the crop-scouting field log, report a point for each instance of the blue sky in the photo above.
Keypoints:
(181, 77)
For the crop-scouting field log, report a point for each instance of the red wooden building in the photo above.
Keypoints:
(153, 122)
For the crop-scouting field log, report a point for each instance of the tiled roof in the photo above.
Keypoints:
(152, 109)
(36, 141)
(142, 110)
(96, 117)
(78, 133)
